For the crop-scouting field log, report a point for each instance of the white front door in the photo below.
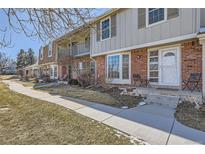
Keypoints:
(169, 67)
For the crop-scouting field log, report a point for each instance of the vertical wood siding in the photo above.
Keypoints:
(129, 35)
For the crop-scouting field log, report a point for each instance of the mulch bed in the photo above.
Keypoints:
(188, 115)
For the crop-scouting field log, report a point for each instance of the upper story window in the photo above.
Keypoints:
(105, 26)
(50, 49)
(155, 15)
(151, 16)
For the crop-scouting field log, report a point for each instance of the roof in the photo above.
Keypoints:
(31, 66)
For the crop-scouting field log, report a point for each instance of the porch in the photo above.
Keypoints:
(164, 96)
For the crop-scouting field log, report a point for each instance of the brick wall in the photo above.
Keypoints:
(75, 64)
(191, 58)
(139, 63)
(47, 59)
(100, 67)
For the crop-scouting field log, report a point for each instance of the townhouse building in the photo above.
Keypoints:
(47, 60)
(162, 45)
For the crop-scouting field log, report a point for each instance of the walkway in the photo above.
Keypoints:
(154, 124)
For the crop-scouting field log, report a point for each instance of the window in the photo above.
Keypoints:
(118, 68)
(153, 66)
(155, 15)
(51, 71)
(55, 72)
(169, 54)
(92, 67)
(105, 26)
(50, 49)
(125, 66)
(113, 67)
(80, 65)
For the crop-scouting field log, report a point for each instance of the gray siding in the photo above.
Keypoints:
(129, 35)
(202, 17)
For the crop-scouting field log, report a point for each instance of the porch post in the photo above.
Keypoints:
(202, 42)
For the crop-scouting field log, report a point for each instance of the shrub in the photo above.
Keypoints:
(73, 82)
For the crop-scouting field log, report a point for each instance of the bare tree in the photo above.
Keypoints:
(44, 24)
(4, 60)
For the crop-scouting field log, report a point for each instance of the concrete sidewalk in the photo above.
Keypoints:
(152, 123)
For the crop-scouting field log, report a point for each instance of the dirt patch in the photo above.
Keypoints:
(190, 116)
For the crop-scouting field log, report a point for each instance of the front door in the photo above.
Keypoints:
(169, 67)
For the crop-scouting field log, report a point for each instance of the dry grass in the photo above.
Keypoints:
(26, 83)
(15, 78)
(86, 94)
(7, 77)
(110, 97)
(24, 120)
(190, 116)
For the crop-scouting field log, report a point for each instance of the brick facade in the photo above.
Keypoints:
(191, 58)
(100, 67)
(74, 63)
(191, 61)
(139, 63)
(47, 59)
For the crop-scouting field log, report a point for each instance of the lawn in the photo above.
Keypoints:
(15, 78)
(188, 115)
(109, 97)
(7, 77)
(25, 120)
(30, 83)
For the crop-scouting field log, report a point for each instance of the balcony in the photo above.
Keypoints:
(64, 52)
(80, 49)
(75, 50)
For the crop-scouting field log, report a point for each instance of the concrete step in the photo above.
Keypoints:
(170, 101)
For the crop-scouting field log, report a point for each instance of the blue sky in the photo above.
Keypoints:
(20, 41)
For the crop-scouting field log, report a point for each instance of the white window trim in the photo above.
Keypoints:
(156, 23)
(120, 80)
(52, 67)
(50, 45)
(109, 29)
(148, 63)
(80, 65)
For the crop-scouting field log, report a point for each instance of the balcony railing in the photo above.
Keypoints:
(77, 49)
(63, 53)
(80, 48)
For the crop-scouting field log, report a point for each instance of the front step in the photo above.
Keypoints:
(170, 101)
